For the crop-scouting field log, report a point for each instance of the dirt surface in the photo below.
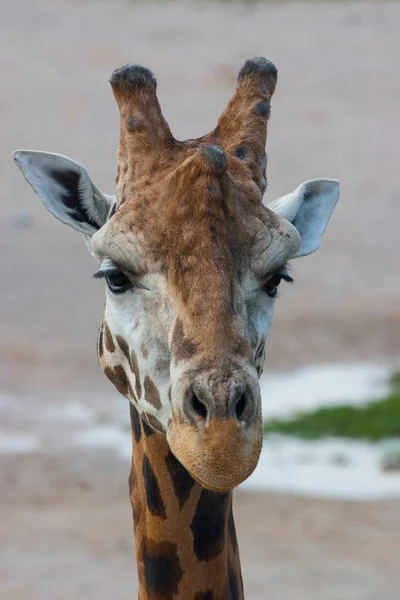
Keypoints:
(292, 549)
(70, 536)
(66, 521)
(65, 517)
(335, 114)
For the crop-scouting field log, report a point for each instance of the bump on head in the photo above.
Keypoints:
(216, 159)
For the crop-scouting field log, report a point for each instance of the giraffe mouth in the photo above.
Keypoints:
(219, 490)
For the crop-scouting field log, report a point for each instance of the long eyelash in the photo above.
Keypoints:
(284, 273)
(286, 277)
(99, 275)
(103, 274)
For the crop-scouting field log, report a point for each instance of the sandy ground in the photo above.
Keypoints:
(66, 528)
(335, 114)
(65, 518)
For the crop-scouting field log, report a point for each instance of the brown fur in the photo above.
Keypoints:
(171, 541)
(192, 211)
(171, 186)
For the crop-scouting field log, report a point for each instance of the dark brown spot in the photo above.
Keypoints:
(154, 500)
(135, 423)
(208, 525)
(131, 481)
(125, 350)
(233, 585)
(122, 382)
(232, 531)
(135, 497)
(146, 428)
(162, 569)
(145, 351)
(151, 393)
(109, 373)
(135, 369)
(119, 378)
(183, 348)
(124, 346)
(208, 595)
(132, 494)
(154, 423)
(100, 348)
(108, 338)
(181, 479)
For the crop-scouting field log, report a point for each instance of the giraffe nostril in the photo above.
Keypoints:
(204, 402)
(198, 407)
(240, 406)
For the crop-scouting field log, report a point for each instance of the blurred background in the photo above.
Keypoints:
(320, 518)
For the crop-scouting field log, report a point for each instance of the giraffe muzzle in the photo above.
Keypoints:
(219, 455)
(216, 428)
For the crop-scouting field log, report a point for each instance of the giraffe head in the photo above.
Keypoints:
(192, 261)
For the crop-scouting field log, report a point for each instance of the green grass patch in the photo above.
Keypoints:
(395, 381)
(374, 421)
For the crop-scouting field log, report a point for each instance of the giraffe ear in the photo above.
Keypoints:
(309, 209)
(65, 189)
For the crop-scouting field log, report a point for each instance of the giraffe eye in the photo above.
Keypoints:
(270, 287)
(117, 282)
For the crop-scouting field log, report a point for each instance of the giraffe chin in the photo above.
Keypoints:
(210, 487)
(218, 455)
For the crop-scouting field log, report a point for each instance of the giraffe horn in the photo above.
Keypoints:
(144, 132)
(242, 127)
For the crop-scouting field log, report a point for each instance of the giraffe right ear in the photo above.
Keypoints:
(65, 189)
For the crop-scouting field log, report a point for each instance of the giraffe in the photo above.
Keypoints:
(192, 260)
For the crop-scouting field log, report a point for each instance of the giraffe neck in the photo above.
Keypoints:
(185, 539)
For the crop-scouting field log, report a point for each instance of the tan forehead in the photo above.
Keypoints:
(207, 222)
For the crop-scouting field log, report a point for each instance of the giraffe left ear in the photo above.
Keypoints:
(66, 190)
(309, 209)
